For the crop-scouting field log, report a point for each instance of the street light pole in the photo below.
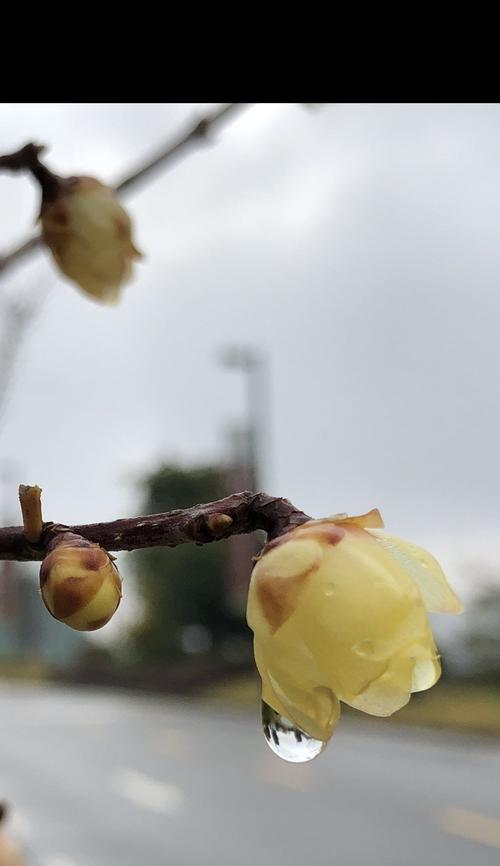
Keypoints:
(254, 366)
(250, 468)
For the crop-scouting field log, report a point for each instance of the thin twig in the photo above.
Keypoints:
(238, 514)
(31, 507)
(198, 133)
(27, 158)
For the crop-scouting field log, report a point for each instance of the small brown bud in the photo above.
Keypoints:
(217, 523)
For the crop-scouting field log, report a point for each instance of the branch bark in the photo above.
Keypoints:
(27, 158)
(238, 514)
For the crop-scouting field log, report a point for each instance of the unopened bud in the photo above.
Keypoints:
(10, 854)
(90, 236)
(80, 583)
(218, 523)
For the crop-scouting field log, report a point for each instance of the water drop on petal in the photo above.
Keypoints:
(287, 740)
(365, 648)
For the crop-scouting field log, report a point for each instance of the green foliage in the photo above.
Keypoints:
(184, 586)
(482, 639)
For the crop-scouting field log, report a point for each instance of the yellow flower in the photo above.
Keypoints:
(90, 237)
(339, 613)
(80, 583)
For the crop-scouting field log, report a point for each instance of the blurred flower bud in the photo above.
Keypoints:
(10, 854)
(90, 236)
(339, 613)
(80, 583)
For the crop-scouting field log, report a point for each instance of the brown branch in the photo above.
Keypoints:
(27, 158)
(238, 514)
(199, 132)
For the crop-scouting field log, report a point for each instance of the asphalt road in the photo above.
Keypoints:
(101, 779)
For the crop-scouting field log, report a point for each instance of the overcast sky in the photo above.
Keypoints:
(358, 245)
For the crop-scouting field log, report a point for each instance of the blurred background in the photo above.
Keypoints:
(317, 316)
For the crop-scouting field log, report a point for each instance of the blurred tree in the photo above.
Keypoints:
(482, 634)
(184, 590)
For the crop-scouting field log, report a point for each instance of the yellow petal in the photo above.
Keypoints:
(278, 580)
(427, 670)
(425, 571)
(425, 674)
(315, 709)
(372, 519)
(389, 693)
(366, 596)
(357, 594)
(415, 668)
(334, 613)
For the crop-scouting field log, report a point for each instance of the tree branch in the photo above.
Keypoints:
(27, 158)
(238, 514)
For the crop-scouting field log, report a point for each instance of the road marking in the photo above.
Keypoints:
(472, 826)
(147, 793)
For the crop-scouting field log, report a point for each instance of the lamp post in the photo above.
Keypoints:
(249, 470)
(253, 364)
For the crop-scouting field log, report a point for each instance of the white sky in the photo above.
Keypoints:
(358, 245)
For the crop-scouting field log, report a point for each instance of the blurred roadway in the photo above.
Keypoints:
(102, 779)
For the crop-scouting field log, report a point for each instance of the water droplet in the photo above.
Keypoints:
(287, 740)
(365, 648)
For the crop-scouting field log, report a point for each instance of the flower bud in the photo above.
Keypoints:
(10, 854)
(80, 583)
(339, 613)
(90, 236)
